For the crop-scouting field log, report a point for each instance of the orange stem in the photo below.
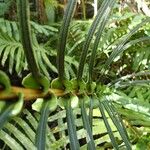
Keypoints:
(29, 94)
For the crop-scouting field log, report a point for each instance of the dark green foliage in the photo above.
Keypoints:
(74, 143)
(63, 37)
(26, 39)
(119, 48)
(117, 122)
(4, 117)
(25, 32)
(41, 130)
(91, 32)
(4, 6)
(98, 37)
(86, 125)
(110, 132)
(86, 87)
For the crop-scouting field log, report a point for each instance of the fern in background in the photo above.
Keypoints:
(12, 51)
(4, 6)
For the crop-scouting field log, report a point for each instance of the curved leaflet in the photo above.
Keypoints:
(63, 36)
(25, 33)
(4, 81)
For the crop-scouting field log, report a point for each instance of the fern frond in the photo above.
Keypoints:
(11, 49)
(20, 136)
(116, 52)
(10, 141)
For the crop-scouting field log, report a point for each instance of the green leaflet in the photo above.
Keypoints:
(11, 59)
(12, 50)
(118, 123)
(56, 84)
(10, 110)
(43, 29)
(19, 59)
(72, 132)
(31, 119)
(28, 130)
(10, 141)
(5, 82)
(127, 77)
(91, 113)
(63, 36)
(48, 63)
(101, 28)
(23, 12)
(20, 136)
(26, 39)
(110, 132)
(42, 67)
(89, 37)
(131, 103)
(5, 55)
(37, 105)
(30, 82)
(23, 129)
(41, 130)
(48, 106)
(5, 115)
(86, 125)
(9, 47)
(135, 82)
(18, 105)
(120, 47)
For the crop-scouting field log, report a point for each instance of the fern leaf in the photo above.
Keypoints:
(20, 136)
(117, 51)
(26, 128)
(10, 141)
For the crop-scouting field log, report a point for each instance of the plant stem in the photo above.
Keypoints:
(29, 94)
